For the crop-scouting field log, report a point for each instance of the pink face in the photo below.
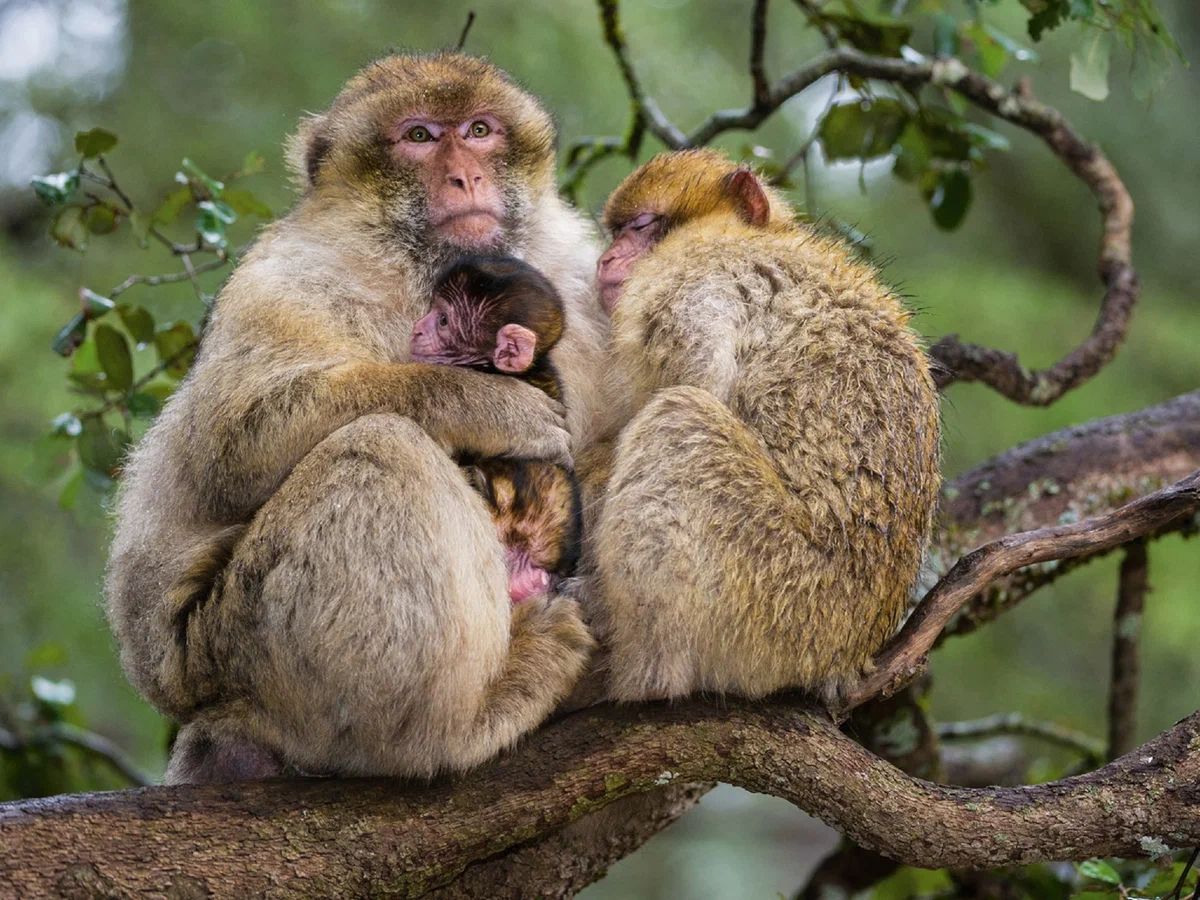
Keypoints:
(457, 334)
(458, 163)
(630, 242)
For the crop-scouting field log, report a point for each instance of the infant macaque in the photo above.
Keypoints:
(498, 314)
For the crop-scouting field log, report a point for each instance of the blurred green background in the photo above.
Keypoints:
(216, 80)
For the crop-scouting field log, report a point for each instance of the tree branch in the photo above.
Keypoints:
(1060, 478)
(906, 655)
(1014, 723)
(1127, 623)
(335, 837)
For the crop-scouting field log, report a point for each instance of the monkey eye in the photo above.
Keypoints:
(640, 223)
(443, 320)
(418, 134)
(480, 129)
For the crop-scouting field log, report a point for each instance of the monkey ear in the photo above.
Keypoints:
(747, 194)
(514, 349)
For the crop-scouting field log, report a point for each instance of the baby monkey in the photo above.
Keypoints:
(501, 315)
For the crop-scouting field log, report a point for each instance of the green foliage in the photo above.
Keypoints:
(44, 747)
(118, 384)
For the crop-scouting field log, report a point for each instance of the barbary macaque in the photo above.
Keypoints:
(499, 314)
(300, 572)
(769, 503)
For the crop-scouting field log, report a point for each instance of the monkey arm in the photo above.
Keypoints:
(246, 426)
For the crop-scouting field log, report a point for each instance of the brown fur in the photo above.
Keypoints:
(770, 501)
(362, 623)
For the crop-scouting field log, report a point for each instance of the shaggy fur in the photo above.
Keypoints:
(769, 503)
(357, 617)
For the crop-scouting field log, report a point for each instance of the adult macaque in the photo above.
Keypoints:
(770, 501)
(359, 621)
(499, 314)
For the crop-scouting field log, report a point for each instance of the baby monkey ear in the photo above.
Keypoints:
(514, 349)
(748, 196)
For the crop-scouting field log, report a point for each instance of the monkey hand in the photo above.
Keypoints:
(494, 415)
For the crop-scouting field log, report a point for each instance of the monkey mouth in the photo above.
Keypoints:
(610, 292)
(472, 228)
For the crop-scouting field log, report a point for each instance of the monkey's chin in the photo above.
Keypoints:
(473, 231)
(610, 293)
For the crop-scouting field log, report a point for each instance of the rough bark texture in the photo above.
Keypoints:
(376, 838)
(1127, 625)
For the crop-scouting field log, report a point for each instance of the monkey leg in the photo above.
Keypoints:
(713, 573)
(363, 624)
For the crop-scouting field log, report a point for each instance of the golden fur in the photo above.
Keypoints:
(362, 623)
(769, 503)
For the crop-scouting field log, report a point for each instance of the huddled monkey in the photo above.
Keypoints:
(767, 507)
(300, 573)
(500, 314)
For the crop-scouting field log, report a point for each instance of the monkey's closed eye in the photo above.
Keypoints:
(642, 222)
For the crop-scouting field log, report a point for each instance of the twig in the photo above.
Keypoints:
(1184, 874)
(812, 11)
(462, 38)
(758, 46)
(1014, 723)
(1127, 623)
(906, 655)
(958, 360)
(98, 746)
(154, 280)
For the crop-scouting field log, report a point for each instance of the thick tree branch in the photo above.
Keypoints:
(1060, 478)
(1127, 623)
(906, 656)
(331, 837)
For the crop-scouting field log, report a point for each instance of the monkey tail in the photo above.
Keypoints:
(194, 585)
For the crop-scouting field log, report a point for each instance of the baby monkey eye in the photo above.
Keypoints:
(418, 134)
(443, 320)
(480, 129)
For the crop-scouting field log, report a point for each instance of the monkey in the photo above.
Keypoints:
(768, 503)
(299, 574)
(500, 314)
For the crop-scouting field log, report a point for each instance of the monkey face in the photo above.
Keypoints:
(437, 154)
(669, 192)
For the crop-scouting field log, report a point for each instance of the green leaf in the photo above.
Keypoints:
(95, 142)
(70, 492)
(101, 220)
(160, 391)
(100, 447)
(51, 457)
(1015, 48)
(172, 207)
(213, 186)
(1051, 15)
(913, 155)
(115, 358)
(94, 305)
(1089, 66)
(87, 360)
(945, 35)
(138, 322)
(212, 220)
(252, 164)
(178, 344)
(858, 131)
(950, 199)
(144, 405)
(991, 56)
(1082, 9)
(71, 336)
(66, 425)
(877, 34)
(245, 203)
(1151, 66)
(1099, 870)
(70, 229)
(54, 190)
